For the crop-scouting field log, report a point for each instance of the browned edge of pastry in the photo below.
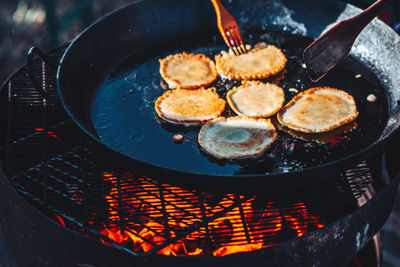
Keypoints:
(187, 122)
(237, 156)
(173, 83)
(220, 61)
(245, 84)
(310, 92)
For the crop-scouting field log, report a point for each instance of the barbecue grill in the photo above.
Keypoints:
(106, 216)
(48, 160)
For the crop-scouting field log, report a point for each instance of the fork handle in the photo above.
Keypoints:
(220, 10)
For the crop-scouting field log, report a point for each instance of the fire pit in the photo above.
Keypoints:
(107, 216)
(57, 169)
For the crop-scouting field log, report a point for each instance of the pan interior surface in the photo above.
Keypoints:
(123, 114)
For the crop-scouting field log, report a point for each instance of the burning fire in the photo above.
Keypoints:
(147, 218)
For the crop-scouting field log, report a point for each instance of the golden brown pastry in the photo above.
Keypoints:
(322, 138)
(256, 99)
(318, 110)
(191, 107)
(258, 63)
(236, 137)
(189, 71)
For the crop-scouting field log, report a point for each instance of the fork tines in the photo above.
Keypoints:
(229, 29)
(234, 40)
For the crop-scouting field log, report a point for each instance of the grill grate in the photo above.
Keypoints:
(54, 166)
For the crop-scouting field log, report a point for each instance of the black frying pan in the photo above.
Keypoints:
(108, 81)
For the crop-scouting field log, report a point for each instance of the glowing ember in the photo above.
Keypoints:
(172, 221)
(59, 220)
(52, 134)
(153, 218)
(335, 141)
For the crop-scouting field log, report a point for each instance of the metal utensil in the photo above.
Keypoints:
(229, 29)
(334, 45)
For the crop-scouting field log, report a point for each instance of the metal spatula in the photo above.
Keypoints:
(334, 45)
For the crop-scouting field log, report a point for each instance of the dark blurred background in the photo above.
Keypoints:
(44, 23)
(48, 23)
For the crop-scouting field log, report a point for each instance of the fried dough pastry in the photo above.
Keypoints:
(321, 138)
(236, 137)
(190, 107)
(258, 63)
(318, 110)
(256, 99)
(189, 71)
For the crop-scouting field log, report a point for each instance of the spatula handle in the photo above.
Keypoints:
(370, 13)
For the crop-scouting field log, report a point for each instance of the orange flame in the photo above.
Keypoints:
(162, 215)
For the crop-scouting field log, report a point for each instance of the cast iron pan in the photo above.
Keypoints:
(108, 80)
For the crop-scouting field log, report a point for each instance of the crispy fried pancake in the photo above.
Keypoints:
(258, 63)
(318, 110)
(256, 99)
(236, 137)
(322, 138)
(189, 71)
(196, 106)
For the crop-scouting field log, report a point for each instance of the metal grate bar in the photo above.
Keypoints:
(246, 231)
(120, 205)
(164, 213)
(32, 197)
(206, 226)
(193, 228)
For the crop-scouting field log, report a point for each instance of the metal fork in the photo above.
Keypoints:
(229, 29)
